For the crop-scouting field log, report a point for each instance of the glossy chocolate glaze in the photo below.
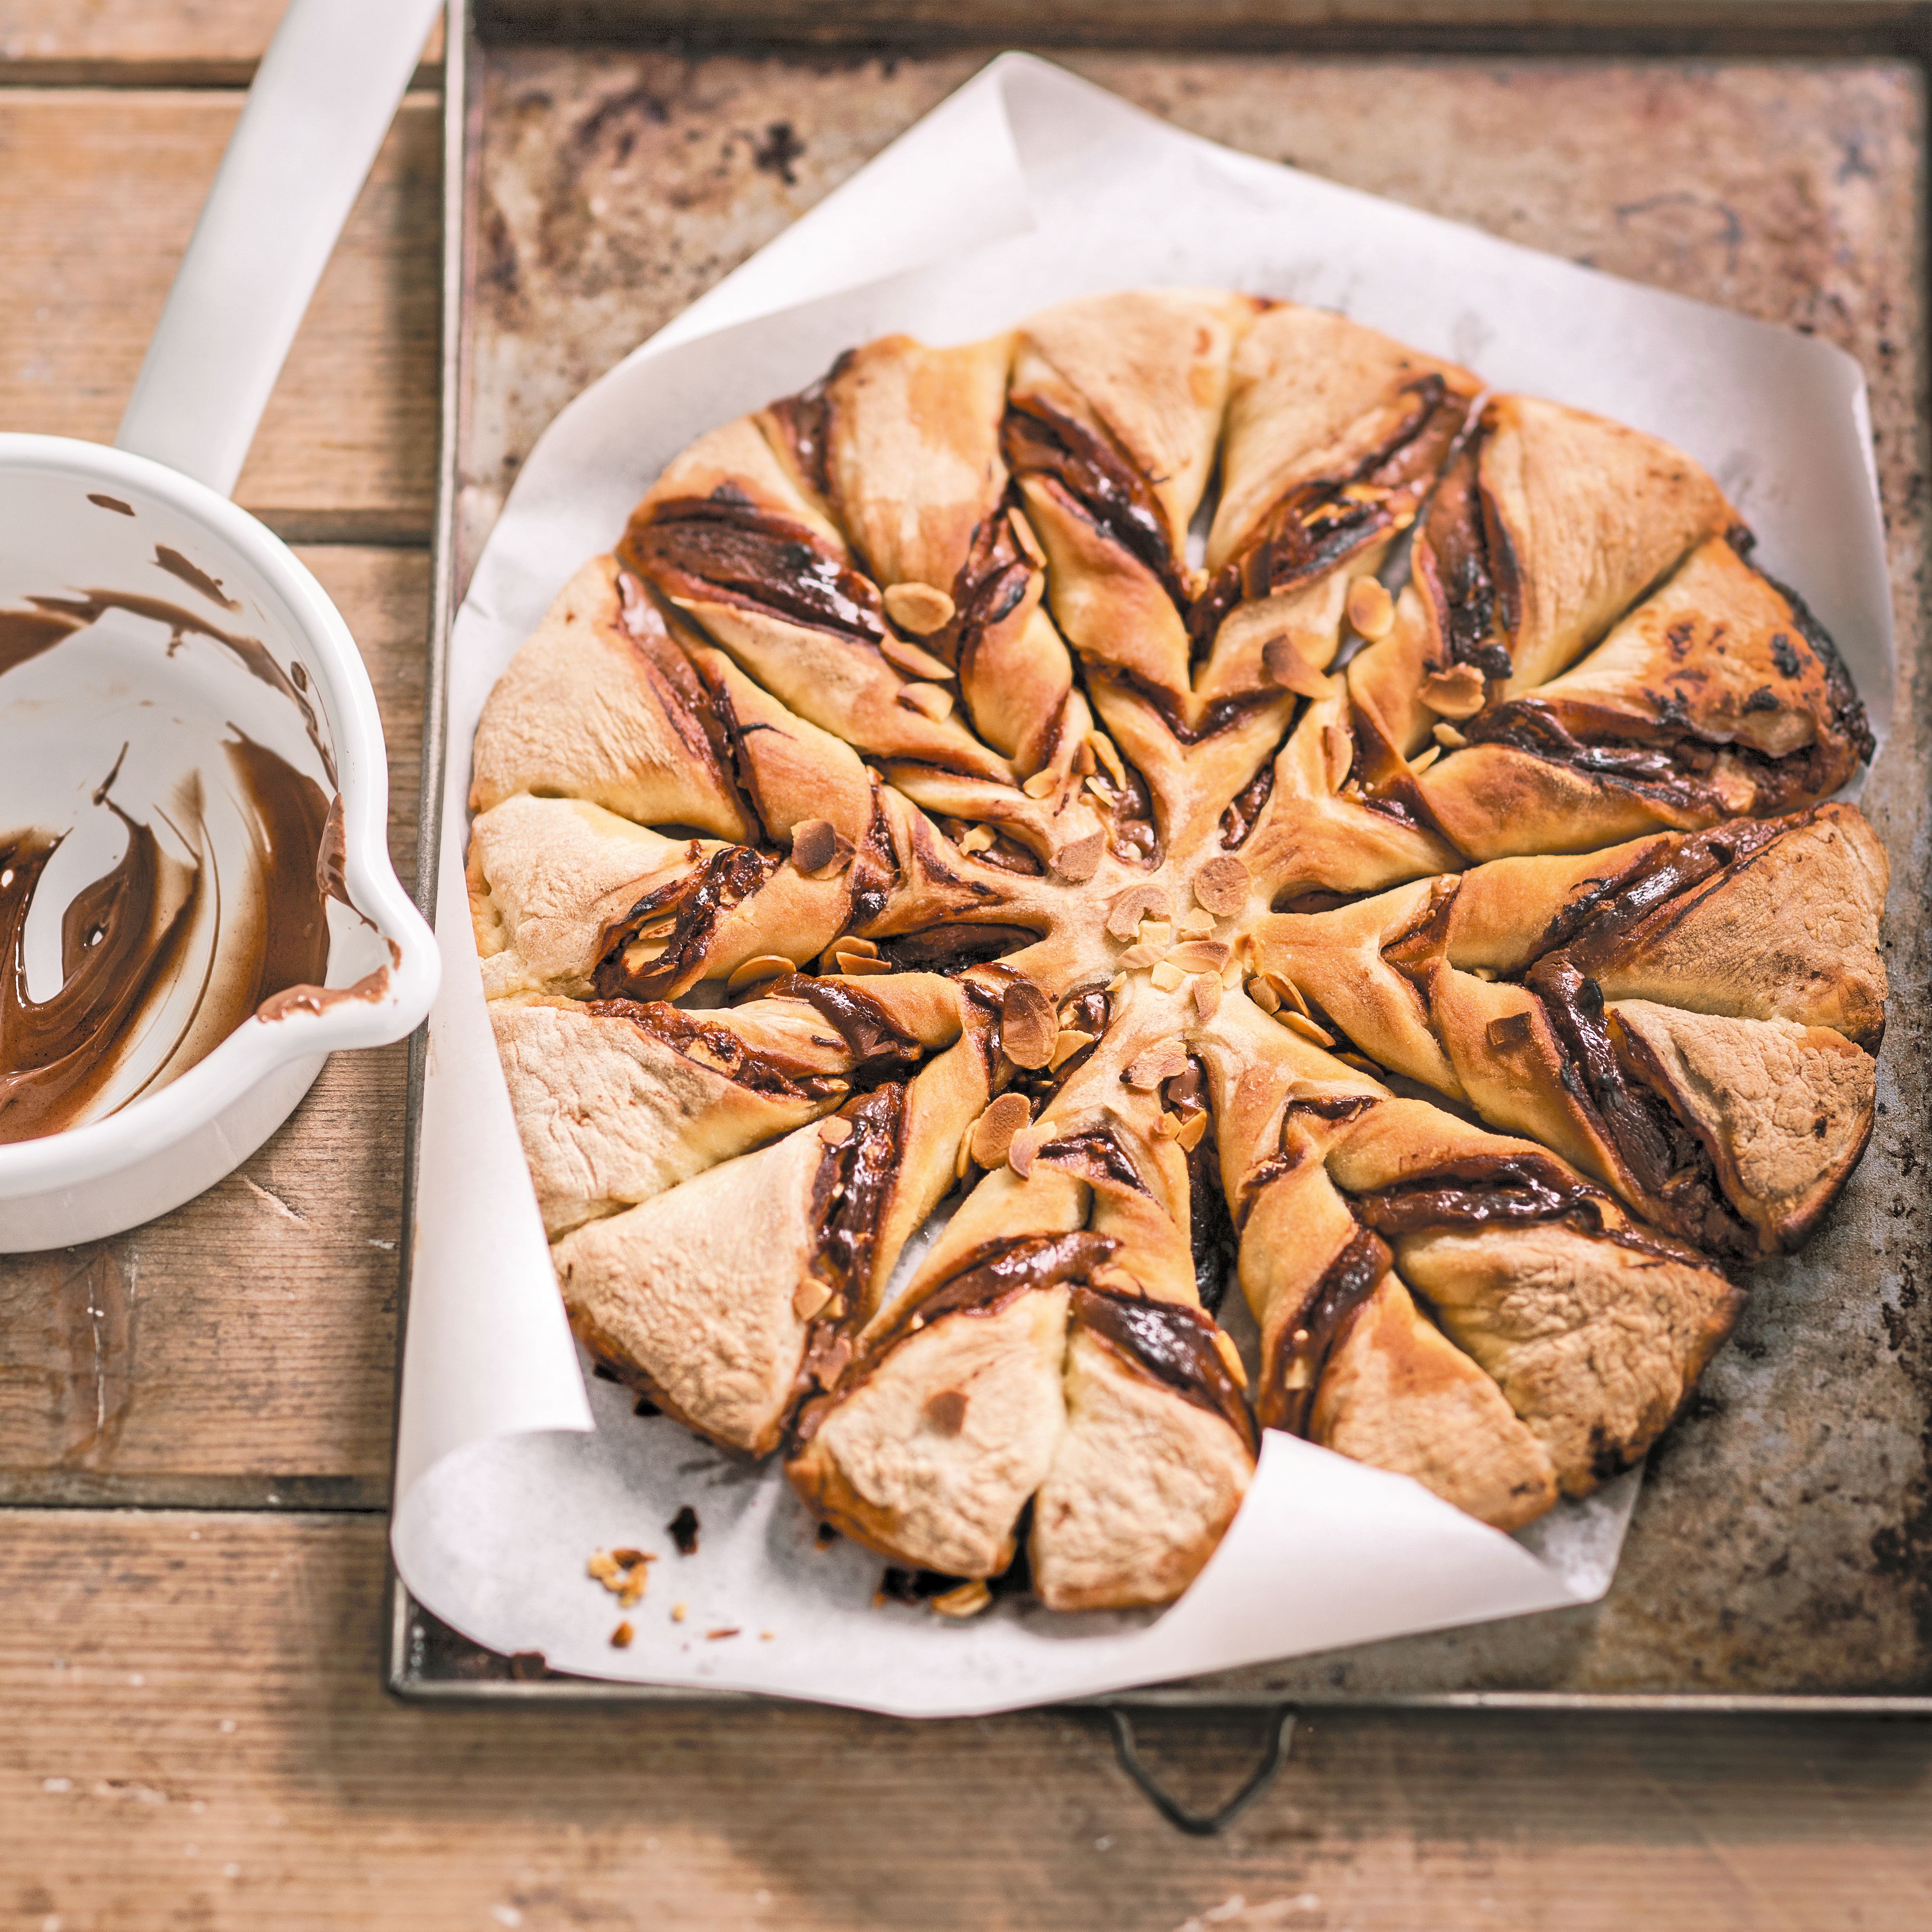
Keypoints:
(1170, 1344)
(723, 548)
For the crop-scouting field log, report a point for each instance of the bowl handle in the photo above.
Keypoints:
(323, 98)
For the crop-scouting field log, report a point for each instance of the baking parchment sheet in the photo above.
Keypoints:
(1026, 186)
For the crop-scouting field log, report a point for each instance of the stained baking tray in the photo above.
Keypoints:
(607, 160)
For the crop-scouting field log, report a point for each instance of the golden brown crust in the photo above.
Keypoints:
(1138, 898)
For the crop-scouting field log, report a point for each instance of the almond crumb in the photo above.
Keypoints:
(1371, 609)
(920, 608)
(620, 1637)
(1041, 784)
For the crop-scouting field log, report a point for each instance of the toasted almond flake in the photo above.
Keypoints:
(1139, 958)
(1083, 765)
(1206, 990)
(1103, 750)
(1028, 1025)
(851, 942)
(602, 1565)
(1419, 765)
(1285, 664)
(1079, 860)
(1200, 955)
(1020, 1154)
(912, 661)
(1042, 783)
(1338, 749)
(809, 1298)
(1457, 692)
(857, 966)
(834, 1130)
(1291, 994)
(814, 844)
(920, 608)
(1222, 886)
(1117, 983)
(620, 1637)
(933, 700)
(1512, 1030)
(1360, 1062)
(1071, 1041)
(1096, 786)
(632, 1593)
(1023, 536)
(1196, 924)
(1166, 977)
(766, 966)
(1127, 910)
(1264, 995)
(679, 1612)
(1158, 933)
(1232, 975)
(1193, 1130)
(1485, 972)
(1300, 1373)
(978, 839)
(1156, 1064)
(1301, 1024)
(992, 1133)
(1166, 1125)
(1449, 738)
(1371, 609)
(962, 1161)
(1224, 1343)
(1403, 518)
(968, 1599)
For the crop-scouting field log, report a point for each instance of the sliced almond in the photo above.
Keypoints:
(1084, 764)
(1156, 1064)
(1485, 972)
(920, 608)
(931, 701)
(857, 966)
(1449, 739)
(766, 966)
(1338, 749)
(1138, 902)
(851, 942)
(1206, 990)
(910, 659)
(808, 1297)
(834, 1130)
(1200, 955)
(1286, 666)
(1291, 994)
(1097, 786)
(1222, 886)
(1071, 1041)
(1264, 996)
(1023, 536)
(1301, 1024)
(1457, 692)
(1079, 860)
(1419, 765)
(1042, 783)
(1028, 1025)
(1224, 1344)
(1024, 1147)
(1371, 609)
(1194, 924)
(1157, 933)
(818, 846)
(1103, 750)
(1166, 1126)
(992, 1133)
(964, 1599)
(979, 839)
(1117, 983)
(1193, 1130)
(1166, 977)
(1139, 958)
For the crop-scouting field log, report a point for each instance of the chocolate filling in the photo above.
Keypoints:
(695, 904)
(1245, 808)
(806, 422)
(995, 1275)
(878, 1047)
(951, 948)
(1320, 522)
(1467, 566)
(1480, 1192)
(1170, 1344)
(988, 588)
(1098, 477)
(698, 1036)
(1097, 1156)
(723, 548)
(854, 1183)
(1210, 1232)
(1301, 1350)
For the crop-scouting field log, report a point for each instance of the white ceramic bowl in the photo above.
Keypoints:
(63, 716)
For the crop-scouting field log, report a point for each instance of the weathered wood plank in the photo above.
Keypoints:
(242, 1350)
(103, 189)
(135, 42)
(200, 1692)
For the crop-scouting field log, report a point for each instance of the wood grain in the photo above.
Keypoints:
(102, 192)
(199, 1693)
(242, 1350)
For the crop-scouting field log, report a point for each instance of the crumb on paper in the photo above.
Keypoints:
(712, 1636)
(682, 1531)
(625, 1574)
(620, 1637)
(679, 1612)
(766, 1636)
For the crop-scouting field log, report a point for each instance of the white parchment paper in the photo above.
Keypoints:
(1026, 187)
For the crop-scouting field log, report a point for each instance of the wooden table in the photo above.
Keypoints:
(194, 1419)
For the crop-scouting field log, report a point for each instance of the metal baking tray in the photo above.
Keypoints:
(607, 160)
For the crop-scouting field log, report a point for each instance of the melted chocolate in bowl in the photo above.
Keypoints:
(170, 833)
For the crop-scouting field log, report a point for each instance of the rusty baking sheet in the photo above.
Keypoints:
(1782, 1546)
